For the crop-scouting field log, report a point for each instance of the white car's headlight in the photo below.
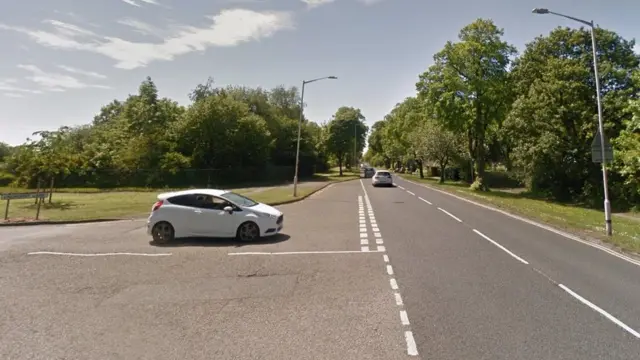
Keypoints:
(265, 215)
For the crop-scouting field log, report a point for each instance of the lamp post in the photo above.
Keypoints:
(607, 203)
(355, 144)
(295, 176)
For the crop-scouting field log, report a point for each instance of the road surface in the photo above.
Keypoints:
(360, 273)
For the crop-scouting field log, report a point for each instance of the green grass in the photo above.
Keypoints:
(583, 221)
(87, 204)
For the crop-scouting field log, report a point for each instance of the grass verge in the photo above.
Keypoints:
(582, 221)
(74, 206)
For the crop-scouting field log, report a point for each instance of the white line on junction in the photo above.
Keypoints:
(302, 252)
(96, 254)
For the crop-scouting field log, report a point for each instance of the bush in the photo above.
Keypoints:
(6, 178)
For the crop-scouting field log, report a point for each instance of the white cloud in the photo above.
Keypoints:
(142, 27)
(230, 27)
(8, 86)
(82, 72)
(13, 95)
(315, 3)
(131, 2)
(54, 81)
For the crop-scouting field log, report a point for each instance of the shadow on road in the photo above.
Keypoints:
(221, 242)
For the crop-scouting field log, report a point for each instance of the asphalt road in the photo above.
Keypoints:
(514, 292)
(359, 273)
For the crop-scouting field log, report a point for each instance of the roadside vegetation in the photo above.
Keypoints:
(484, 114)
(232, 137)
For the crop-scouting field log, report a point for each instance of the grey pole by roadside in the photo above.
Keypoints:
(607, 203)
(295, 176)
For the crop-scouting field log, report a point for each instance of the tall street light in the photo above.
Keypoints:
(607, 204)
(295, 176)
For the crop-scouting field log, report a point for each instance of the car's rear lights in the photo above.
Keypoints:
(157, 205)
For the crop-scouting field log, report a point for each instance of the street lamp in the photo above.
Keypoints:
(607, 203)
(295, 176)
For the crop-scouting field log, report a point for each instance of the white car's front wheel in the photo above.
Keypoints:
(248, 232)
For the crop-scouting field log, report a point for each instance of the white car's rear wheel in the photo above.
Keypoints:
(162, 232)
(248, 232)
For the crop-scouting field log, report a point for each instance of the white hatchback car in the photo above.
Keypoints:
(382, 177)
(211, 213)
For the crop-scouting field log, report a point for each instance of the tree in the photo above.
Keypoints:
(465, 89)
(554, 118)
(346, 127)
(5, 151)
(433, 142)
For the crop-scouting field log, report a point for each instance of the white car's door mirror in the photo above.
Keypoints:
(228, 209)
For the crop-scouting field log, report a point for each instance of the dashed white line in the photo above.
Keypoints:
(404, 319)
(377, 234)
(381, 248)
(379, 241)
(389, 270)
(400, 187)
(364, 242)
(602, 312)
(501, 247)
(411, 193)
(385, 257)
(96, 254)
(427, 201)
(450, 214)
(363, 221)
(398, 299)
(364, 249)
(375, 228)
(363, 235)
(393, 283)
(412, 348)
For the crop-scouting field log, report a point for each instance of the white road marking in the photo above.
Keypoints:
(602, 312)
(364, 242)
(363, 235)
(398, 299)
(393, 283)
(400, 187)
(364, 249)
(450, 214)
(404, 319)
(501, 247)
(301, 252)
(427, 201)
(537, 224)
(412, 349)
(95, 254)
(363, 221)
(411, 193)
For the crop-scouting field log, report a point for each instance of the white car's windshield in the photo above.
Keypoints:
(239, 199)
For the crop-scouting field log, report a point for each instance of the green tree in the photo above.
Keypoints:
(465, 89)
(346, 127)
(431, 141)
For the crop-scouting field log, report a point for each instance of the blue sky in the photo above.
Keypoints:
(63, 59)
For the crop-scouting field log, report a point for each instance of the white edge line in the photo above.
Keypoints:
(404, 318)
(602, 312)
(531, 222)
(412, 349)
(450, 214)
(300, 252)
(94, 255)
(427, 201)
(501, 247)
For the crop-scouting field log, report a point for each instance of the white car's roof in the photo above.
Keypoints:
(212, 192)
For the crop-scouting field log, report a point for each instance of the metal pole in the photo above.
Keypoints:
(295, 176)
(355, 144)
(607, 203)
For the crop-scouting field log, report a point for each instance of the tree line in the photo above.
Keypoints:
(481, 105)
(224, 136)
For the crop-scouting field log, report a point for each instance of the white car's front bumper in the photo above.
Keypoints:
(273, 227)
